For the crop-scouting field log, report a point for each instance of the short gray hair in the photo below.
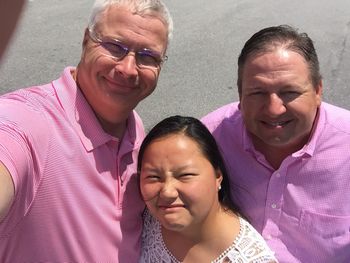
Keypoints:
(140, 7)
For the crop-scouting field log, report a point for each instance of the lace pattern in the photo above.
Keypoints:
(248, 246)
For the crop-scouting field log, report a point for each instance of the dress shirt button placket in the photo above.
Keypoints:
(273, 204)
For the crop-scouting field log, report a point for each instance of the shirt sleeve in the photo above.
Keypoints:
(20, 137)
(13, 152)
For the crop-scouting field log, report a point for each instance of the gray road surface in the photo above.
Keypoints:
(200, 74)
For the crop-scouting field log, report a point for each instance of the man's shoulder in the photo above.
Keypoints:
(29, 96)
(26, 102)
(336, 117)
(228, 113)
(37, 93)
(28, 110)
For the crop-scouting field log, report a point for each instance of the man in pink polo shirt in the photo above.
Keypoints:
(68, 149)
(287, 152)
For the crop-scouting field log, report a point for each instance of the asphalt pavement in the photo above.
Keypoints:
(200, 74)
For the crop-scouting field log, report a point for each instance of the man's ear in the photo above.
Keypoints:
(84, 43)
(319, 92)
(86, 38)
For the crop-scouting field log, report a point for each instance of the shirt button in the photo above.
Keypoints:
(273, 206)
(278, 175)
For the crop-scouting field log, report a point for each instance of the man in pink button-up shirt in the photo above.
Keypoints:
(68, 149)
(287, 152)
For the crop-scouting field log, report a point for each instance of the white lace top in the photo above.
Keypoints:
(248, 246)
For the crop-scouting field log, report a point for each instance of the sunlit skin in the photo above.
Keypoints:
(180, 188)
(178, 183)
(113, 89)
(278, 102)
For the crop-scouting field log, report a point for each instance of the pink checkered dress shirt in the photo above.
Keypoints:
(303, 208)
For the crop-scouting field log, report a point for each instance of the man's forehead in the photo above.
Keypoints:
(276, 58)
(113, 13)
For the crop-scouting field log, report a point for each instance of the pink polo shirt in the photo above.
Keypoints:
(303, 208)
(76, 191)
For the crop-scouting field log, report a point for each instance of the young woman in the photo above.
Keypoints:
(190, 217)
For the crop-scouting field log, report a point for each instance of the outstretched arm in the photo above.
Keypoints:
(6, 191)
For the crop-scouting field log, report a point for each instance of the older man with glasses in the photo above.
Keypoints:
(68, 187)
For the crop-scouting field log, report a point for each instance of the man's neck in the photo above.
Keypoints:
(114, 129)
(274, 156)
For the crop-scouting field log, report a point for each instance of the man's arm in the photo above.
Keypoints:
(6, 191)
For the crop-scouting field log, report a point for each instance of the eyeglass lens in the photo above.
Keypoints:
(143, 57)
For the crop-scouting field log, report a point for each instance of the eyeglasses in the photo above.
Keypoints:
(117, 51)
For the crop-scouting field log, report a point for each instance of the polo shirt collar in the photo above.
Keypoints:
(310, 146)
(247, 141)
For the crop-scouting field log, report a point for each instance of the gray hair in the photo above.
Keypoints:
(140, 7)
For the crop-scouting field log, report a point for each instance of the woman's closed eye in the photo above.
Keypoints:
(152, 177)
(186, 175)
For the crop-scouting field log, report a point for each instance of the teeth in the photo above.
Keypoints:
(277, 123)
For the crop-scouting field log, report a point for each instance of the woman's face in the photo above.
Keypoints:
(178, 183)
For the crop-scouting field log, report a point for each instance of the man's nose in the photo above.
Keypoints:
(128, 66)
(275, 105)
